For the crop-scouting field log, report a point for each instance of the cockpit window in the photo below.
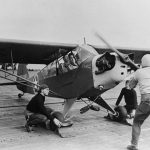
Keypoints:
(67, 63)
(63, 64)
(83, 52)
(49, 70)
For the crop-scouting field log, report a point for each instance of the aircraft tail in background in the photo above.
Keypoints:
(22, 71)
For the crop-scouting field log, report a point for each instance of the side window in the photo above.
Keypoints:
(49, 70)
(52, 69)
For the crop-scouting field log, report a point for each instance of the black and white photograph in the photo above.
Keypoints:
(74, 74)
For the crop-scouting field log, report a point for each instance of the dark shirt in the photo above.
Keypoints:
(129, 96)
(36, 105)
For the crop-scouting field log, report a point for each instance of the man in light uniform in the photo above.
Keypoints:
(142, 78)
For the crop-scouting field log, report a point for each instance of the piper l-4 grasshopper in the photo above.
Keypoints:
(72, 71)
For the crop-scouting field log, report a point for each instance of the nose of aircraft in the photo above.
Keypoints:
(108, 73)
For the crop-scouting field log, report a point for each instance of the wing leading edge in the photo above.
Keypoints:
(31, 52)
(35, 52)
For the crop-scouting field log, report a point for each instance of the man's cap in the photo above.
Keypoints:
(146, 60)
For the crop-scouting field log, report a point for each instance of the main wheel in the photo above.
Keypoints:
(122, 113)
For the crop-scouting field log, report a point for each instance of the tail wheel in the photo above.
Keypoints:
(20, 95)
(122, 113)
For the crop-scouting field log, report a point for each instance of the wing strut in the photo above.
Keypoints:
(100, 101)
(19, 77)
(24, 82)
(12, 61)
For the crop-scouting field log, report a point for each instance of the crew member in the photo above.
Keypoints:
(128, 111)
(142, 78)
(72, 61)
(64, 67)
(36, 113)
(130, 98)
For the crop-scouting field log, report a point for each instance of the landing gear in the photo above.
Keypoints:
(67, 106)
(121, 116)
(122, 113)
(100, 101)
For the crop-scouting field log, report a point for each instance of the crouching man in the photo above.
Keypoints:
(125, 113)
(36, 113)
(130, 98)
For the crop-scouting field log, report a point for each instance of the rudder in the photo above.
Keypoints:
(22, 72)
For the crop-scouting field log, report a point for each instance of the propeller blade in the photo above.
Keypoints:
(124, 57)
(84, 109)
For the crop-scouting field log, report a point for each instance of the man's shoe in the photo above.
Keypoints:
(132, 147)
(129, 122)
(28, 128)
(66, 124)
(58, 133)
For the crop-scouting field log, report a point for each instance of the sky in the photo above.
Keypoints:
(123, 23)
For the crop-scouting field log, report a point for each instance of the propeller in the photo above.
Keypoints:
(124, 57)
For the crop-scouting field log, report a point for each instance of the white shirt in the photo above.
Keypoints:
(142, 76)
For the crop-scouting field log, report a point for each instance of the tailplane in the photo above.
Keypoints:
(22, 72)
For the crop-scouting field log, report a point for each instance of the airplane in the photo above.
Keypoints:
(6, 66)
(92, 73)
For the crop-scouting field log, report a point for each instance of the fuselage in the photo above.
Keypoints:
(90, 76)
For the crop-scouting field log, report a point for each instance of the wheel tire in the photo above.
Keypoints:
(58, 115)
(121, 110)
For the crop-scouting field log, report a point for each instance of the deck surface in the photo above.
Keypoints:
(89, 131)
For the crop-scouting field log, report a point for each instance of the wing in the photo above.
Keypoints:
(138, 53)
(31, 52)
(35, 52)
